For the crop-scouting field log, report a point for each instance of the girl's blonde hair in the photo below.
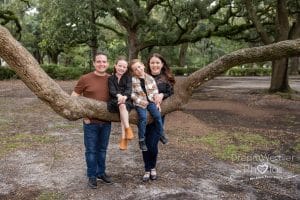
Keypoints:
(132, 62)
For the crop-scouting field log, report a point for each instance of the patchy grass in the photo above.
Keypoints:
(50, 196)
(297, 147)
(67, 125)
(12, 142)
(226, 146)
(4, 124)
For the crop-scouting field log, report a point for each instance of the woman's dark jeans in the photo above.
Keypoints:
(152, 139)
(96, 139)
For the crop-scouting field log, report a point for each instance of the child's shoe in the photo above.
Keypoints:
(163, 139)
(143, 146)
(123, 144)
(128, 133)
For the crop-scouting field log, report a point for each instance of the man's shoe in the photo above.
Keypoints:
(128, 133)
(123, 144)
(163, 139)
(92, 183)
(143, 146)
(105, 178)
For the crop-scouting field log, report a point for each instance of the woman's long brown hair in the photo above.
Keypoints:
(165, 69)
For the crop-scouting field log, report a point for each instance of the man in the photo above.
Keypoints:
(94, 85)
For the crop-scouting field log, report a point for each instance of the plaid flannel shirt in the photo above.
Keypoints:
(137, 94)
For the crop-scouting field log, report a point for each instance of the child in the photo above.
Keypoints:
(119, 92)
(143, 94)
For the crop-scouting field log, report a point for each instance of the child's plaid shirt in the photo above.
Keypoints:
(137, 94)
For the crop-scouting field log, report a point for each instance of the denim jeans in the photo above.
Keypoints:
(96, 139)
(152, 139)
(142, 123)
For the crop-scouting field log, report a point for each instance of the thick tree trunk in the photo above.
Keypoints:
(182, 54)
(133, 51)
(294, 66)
(72, 108)
(93, 41)
(279, 80)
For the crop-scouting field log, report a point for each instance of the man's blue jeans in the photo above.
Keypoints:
(96, 139)
(142, 123)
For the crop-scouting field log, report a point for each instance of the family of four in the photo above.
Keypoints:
(129, 87)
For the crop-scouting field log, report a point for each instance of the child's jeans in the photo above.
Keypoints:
(142, 123)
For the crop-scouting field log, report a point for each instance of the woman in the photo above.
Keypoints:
(158, 68)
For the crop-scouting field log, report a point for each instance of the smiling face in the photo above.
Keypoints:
(121, 67)
(138, 69)
(155, 65)
(101, 64)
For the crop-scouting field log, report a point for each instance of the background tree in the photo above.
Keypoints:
(268, 22)
(147, 24)
(64, 26)
(10, 12)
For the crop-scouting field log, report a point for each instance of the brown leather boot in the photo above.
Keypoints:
(128, 133)
(123, 144)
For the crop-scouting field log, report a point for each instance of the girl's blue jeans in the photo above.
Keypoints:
(142, 123)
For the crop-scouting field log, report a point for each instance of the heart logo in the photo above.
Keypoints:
(262, 168)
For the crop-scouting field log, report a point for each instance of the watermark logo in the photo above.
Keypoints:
(261, 167)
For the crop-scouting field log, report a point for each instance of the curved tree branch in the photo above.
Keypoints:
(73, 108)
(287, 48)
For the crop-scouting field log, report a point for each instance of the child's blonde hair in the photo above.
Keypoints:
(132, 62)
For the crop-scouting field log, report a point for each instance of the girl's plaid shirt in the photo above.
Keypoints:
(138, 94)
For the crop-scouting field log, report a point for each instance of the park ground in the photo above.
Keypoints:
(231, 141)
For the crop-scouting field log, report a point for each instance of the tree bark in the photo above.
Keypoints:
(93, 41)
(132, 49)
(73, 108)
(279, 79)
(182, 54)
(294, 68)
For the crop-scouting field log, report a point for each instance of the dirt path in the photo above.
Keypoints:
(231, 141)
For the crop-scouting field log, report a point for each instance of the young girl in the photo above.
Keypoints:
(120, 92)
(143, 94)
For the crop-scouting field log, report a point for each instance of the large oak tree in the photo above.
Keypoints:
(72, 108)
